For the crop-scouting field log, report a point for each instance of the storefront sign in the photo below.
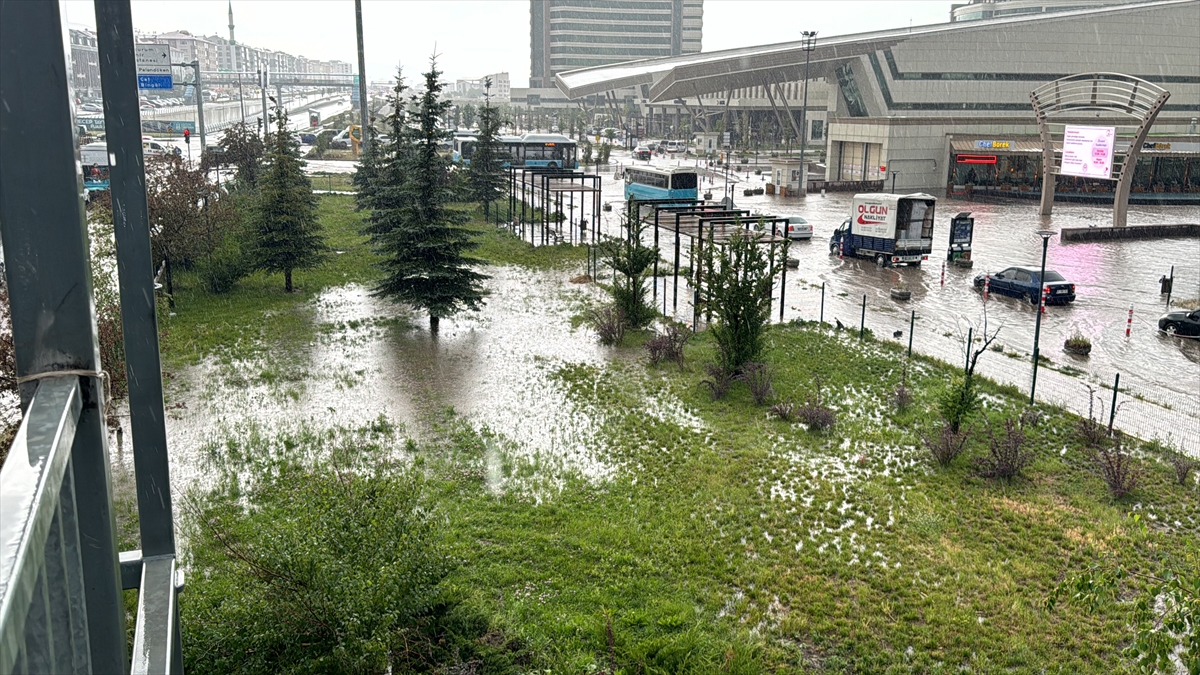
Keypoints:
(1088, 151)
(993, 145)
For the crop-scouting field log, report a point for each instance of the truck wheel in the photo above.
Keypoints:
(881, 260)
(833, 249)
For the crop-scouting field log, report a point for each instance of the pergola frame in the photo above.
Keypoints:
(1108, 93)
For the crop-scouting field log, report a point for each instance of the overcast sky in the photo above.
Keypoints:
(477, 37)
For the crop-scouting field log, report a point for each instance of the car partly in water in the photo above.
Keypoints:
(1025, 282)
(799, 228)
(1185, 323)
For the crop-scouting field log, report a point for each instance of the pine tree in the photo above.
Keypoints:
(420, 239)
(365, 175)
(486, 175)
(387, 193)
(287, 234)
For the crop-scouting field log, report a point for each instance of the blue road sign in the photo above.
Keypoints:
(154, 82)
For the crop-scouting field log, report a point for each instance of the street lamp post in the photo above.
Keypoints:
(810, 43)
(1037, 329)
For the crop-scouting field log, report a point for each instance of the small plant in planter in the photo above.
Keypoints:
(901, 292)
(1077, 344)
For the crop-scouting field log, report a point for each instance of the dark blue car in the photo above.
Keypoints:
(1024, 282)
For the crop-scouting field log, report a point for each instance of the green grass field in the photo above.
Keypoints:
(725, 540)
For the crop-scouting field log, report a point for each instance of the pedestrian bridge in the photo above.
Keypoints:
(280, 79)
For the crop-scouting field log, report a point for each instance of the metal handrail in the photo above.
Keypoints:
(43, 623)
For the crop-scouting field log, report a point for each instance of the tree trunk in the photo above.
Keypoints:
(287, 280)
(433, 324)
(170, 286)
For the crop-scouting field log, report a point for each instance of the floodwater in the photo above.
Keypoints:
(369, 358)
(1110, 277)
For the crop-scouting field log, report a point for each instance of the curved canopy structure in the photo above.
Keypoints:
(1100, 93)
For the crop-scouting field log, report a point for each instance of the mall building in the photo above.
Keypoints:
(947, 107)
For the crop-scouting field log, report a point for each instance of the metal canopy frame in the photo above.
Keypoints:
(1116, 94)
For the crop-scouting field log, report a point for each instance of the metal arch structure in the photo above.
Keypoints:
(1107, 93)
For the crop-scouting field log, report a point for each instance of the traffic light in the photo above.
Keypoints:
(187, 136)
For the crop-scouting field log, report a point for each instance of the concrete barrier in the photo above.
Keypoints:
(1071, 234)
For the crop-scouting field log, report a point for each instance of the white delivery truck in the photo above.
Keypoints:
(892, 229)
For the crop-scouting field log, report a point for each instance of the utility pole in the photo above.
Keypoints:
(264, 77)
(362, 78)
(810, 43)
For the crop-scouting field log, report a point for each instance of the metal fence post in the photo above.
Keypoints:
(970, 337)
(44, 229)
(821, 320)
(1112, 410)
(912, 320)
(862, 325)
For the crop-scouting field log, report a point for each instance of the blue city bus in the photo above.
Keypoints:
(553, 151)
(646, 182)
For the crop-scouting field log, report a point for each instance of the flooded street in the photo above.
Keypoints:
(1110, 277)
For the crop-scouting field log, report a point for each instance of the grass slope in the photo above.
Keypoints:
(734, 542)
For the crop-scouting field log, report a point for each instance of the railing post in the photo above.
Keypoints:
(44, 228)
(135, 268)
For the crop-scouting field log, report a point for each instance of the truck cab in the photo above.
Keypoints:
(891, 229)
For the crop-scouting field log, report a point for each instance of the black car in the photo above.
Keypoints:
(1181, 323)
(1024, 282)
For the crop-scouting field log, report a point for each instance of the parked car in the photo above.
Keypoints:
(641, 152)
(1180, 323)
(308, 139)
(1024, 282)
(799, 228)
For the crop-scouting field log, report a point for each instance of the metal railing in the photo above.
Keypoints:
(61, 577)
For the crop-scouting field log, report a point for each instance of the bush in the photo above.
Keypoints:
(319, 569)
(1030, 417)
(1121, 471)
(757, 377)
(737, 290)
(227, 265)
(901, 397)
(631, 262)
(719, 379)
(668, 345)
(1183, 466)
(946, 445)
(609, 323)
(1007, 456)
(958, 401)
(814, 413)
(784, 410)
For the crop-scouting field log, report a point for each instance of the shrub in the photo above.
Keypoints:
(1030, 417)
(815, 413)
(1007, 455)
(1183, 466)
(901, 397)
(784, 410)
(1121, 471)
(1078, 341)
(223, 268)
(958, 401)
(946, 445)
(737, 290)
(1092, 432)
(325, 571)
(668, 345)
(631, 262)
(718, 380)
(757, 377)
(818, 417)
(609, 323)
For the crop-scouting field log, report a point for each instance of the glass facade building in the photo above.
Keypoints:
(572, 34)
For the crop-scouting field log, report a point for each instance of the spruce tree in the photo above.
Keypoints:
(388, 196)
(420, 239)
(486, 175)
(368, 169)
(287, 234)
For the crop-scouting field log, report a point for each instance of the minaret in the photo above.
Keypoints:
(233, 52)
(231, 40)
